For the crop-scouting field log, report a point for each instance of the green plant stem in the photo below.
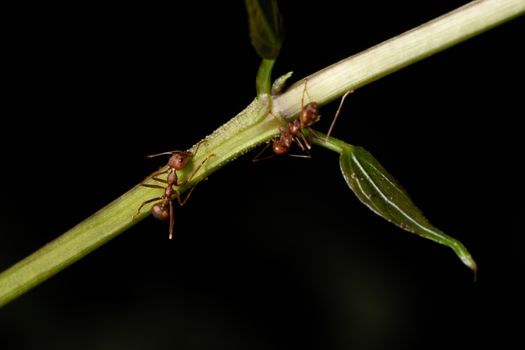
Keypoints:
(389, 56)
(264, 77)
(253, 126)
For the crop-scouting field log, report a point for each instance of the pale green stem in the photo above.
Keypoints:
(389, 56)
(253, 126)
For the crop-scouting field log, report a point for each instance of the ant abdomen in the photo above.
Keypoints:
(160, 212)
(309, 114)
(280, 148)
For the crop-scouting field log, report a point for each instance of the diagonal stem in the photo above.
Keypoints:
(252, 127)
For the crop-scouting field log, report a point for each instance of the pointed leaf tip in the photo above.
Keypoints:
(379, 191)
(466, 258)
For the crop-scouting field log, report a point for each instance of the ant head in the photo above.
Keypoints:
(309, 114)
(160, 212)
(178, 160)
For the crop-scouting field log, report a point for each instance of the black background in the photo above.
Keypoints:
(275, 255)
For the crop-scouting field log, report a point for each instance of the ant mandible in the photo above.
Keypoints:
(163, 210)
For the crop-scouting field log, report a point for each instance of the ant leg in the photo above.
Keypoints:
(337, 114)
(177, 193)
(194, 171)
(308, 155)
(305, 91)
(179, 197)
(282, 122)
(313, 134)
(300, 144)
(302, 97)
(258, 158)
(278, 119)
(198, 145)
(143, 204)
(154, 177)
(172, 221)
(200, 165)
(304, 147)
(306, 144)
(152, 186)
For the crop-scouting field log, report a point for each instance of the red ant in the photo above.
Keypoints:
(163, 210)
(308, 117)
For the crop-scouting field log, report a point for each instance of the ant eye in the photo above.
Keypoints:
(181, 162)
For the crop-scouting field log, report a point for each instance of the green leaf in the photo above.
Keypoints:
(378, 190)
(266, 27)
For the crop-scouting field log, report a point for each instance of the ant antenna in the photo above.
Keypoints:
(163, 154)
(337, 114)
(176, 151)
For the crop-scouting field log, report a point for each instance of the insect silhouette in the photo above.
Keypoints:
(293, 131)
(163, 209)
